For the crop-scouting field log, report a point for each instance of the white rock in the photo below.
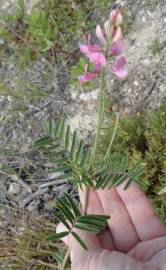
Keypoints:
(163, 88)
(94, 94)
(136, 83)
(129, 90)
(143, 19)
(165, 20)
(13, 189)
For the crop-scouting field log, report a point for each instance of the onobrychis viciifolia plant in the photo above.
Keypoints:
(68, 153)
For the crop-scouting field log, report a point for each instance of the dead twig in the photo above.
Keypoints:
(33, 196)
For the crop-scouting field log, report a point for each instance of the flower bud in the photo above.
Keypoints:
(117, 35)
(116, 17)
(107, 27)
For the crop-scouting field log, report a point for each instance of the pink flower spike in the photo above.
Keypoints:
(97, 58)
(100, 35)
(118, 48)
(116, 17)
(86, 49)
(87, 77)
(117, 35)
(118, 68)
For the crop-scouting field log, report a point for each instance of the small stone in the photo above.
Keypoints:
(146, 62)
(94, 94)
(143, 19)
(13, 189)
(2, 42)
(136, 83)
(162, 88)
(73, 95)
(165, 20)
(129, 90)
(85, 96)
(10, 98)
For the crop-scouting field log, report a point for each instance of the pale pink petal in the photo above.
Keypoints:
(97, 58)
(118, 68)
(117, 35)
(118, 48)
(94, 48)
(121, 73)
(100, 35)
(85, 49)
(116, 17)
(87, 77)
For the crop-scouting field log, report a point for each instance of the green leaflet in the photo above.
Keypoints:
(56, 236)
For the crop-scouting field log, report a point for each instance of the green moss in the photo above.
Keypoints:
(143, 138)
(155, 47)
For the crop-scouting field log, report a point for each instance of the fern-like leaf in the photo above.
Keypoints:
(70, 215)
(116, 170)
(63, 147)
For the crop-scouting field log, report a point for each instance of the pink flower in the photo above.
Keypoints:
(97, 58)
(118, 68)
(93, 52)
(100, 35)
(96, 53)
(118, 48)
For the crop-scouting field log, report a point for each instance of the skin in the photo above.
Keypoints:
(135, 239)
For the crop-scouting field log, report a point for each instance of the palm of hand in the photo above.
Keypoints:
(135, 239)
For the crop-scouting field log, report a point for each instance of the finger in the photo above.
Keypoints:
(122, 229)
(94, 207)
(78, 254)
(147, 224)
(146, 250)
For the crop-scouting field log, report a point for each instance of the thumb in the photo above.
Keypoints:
(80, 255)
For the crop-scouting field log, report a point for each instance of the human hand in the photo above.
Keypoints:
(135, 239)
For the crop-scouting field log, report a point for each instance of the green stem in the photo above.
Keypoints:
(101, 99)
(113, 137)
